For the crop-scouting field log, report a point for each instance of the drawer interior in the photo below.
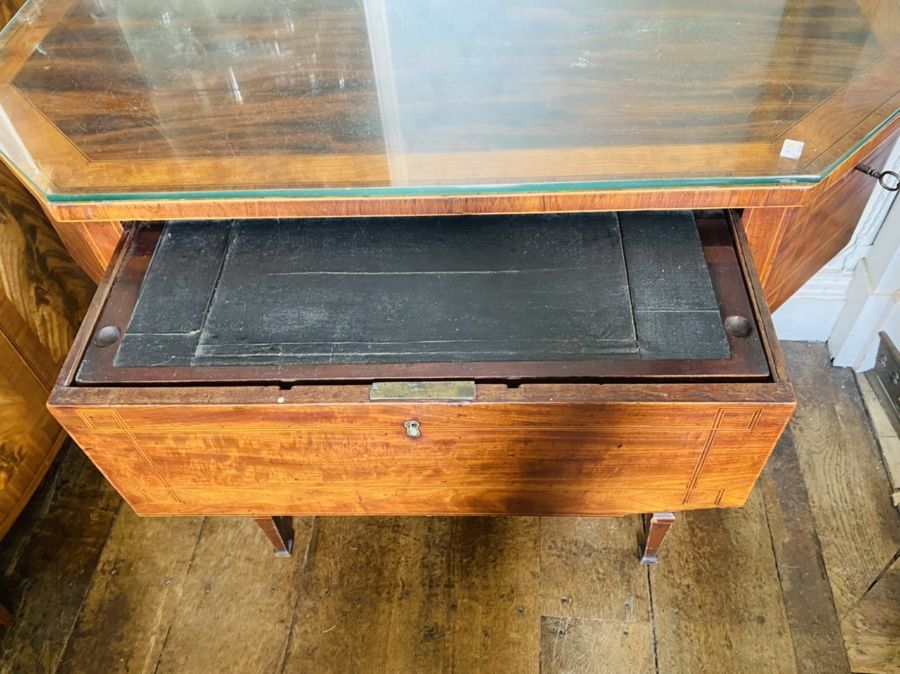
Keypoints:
(537, 297)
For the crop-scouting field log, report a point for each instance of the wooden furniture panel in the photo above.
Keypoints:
(533, 201)
(791, 244)
(30, 437)
(91, 244)
(491, 457)
(7, 9)
(43, 297)
(819, 231)
(38, 277)
(27, 345)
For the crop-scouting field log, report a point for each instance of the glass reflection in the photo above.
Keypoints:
(403, 79)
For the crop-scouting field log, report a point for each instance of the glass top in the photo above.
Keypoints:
(120, 99)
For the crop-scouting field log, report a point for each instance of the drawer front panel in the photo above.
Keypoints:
(600, 459)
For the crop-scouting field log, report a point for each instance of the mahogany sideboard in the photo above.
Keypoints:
(365, 109)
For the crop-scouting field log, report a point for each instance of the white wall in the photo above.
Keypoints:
(873, 301)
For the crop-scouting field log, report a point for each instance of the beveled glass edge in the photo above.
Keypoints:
(13, 20)
(432, 190)
(464, 190)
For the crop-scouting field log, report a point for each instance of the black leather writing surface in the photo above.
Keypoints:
(437, 289)
(675, 308)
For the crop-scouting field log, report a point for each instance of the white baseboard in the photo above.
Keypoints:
(807, 319)
(812, 312)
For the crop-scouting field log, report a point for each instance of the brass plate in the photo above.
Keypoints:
(422, 390)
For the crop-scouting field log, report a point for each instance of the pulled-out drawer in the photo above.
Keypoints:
(534, 364)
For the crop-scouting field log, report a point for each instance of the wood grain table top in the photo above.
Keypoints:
(112, 100)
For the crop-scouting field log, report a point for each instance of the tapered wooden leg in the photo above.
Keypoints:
(6, 618)
(280, 533)
(656, 533)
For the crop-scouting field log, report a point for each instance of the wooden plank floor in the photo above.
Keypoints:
(805, 578)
